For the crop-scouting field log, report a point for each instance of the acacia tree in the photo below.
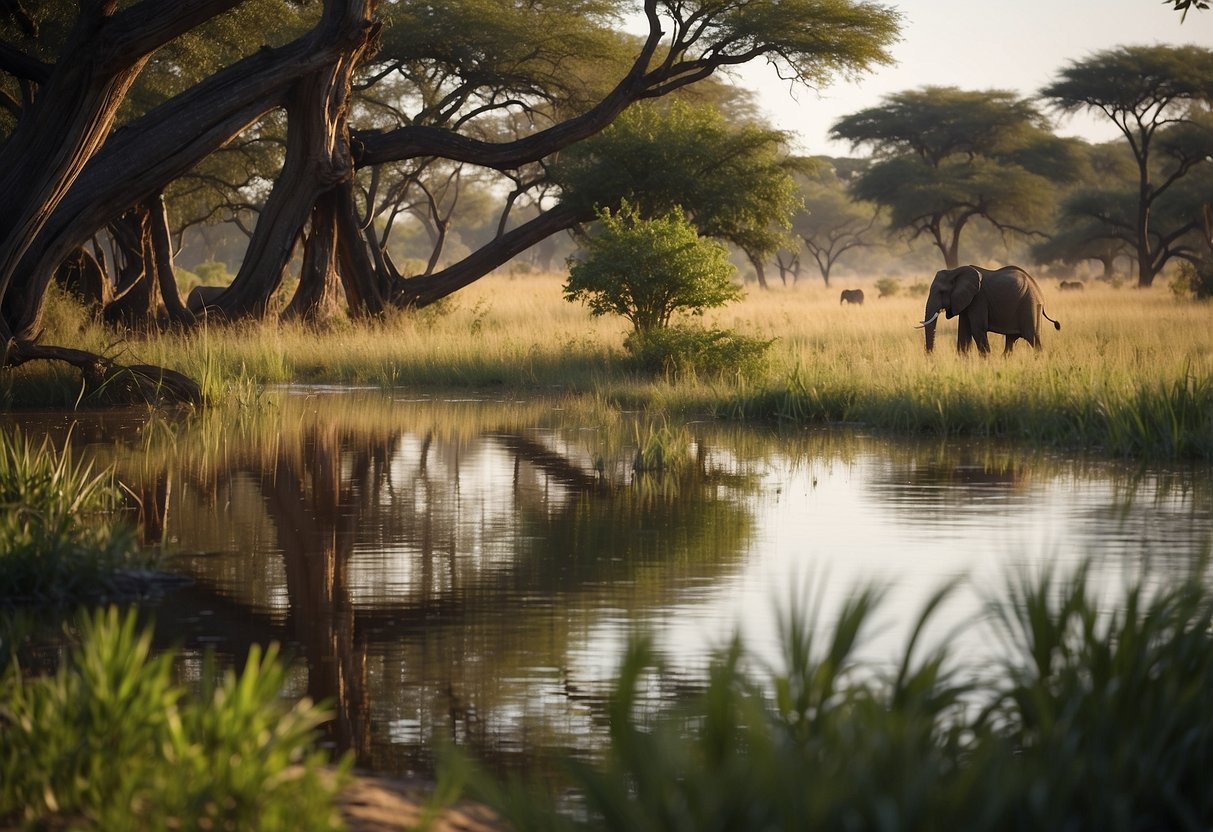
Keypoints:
(1146, 91)
(945, 157)
(832, 222)
(1099, 219)
(734, 182)
(67, 174)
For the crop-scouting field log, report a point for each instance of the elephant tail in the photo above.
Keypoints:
(1056, 324)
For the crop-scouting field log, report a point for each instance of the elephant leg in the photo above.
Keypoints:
(983, 341)
(964, 335)
(1010, 344)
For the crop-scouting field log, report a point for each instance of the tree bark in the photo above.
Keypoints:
(135, 287)
(426, 289)
(69, 120)
(314, 298)
(140, 159)
(367, 281)
(318, 159)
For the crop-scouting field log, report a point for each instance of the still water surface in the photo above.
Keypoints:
(473, 569)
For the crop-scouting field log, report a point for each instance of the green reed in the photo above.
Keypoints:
(1099, 717)
(110, 741)
(59, 540)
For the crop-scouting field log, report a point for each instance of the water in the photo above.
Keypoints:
(472, 570)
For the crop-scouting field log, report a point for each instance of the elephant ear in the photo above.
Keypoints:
(968, 283)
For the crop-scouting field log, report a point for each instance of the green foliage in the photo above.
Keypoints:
(1155, 82)
(1155, 96)
(692, 350)
(110, 742)
(213, 273)
(1101, 717)
(886, 287)
(945, 156)
(646, 270)
(1195, 279)
(1107, 702)
(59, 541)
(734, 182)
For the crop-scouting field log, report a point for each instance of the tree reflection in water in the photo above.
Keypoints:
(431, 582)
(469, 570)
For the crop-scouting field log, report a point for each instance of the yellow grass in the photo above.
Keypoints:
(1120, 351)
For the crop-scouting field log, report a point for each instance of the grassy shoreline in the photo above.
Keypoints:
(1130, 374)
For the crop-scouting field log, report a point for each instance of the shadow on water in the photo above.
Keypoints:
(470, 570)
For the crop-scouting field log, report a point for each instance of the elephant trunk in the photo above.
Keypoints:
(928, 324)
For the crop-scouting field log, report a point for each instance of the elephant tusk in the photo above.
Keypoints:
(927, 321)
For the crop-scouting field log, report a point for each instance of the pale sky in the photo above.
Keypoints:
(981, 44)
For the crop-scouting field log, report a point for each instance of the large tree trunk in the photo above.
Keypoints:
(314, 299)
(135, 286)
(146, 276)
(65, 126)
(367, 281)
(318, 159)
(141, 158)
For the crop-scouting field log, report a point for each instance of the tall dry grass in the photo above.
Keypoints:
(1129, 373)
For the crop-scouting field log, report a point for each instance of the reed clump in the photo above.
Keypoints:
(59, 540)
(1098, 717)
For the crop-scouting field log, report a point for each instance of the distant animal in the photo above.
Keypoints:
(1006, 301)
(851, 296)
(202, 296)
(1067, 285)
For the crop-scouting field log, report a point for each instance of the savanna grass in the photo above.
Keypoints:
(1129, 374)
(111, 742)
(1100, 717)
(59, 541)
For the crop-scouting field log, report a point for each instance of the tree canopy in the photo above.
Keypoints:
(1153, 95)
(945, 157)
(734, 181)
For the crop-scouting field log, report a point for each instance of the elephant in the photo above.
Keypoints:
(1067, 285)
(1006, 300)
(851, 296)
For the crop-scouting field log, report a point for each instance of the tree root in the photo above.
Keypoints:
(113, 382)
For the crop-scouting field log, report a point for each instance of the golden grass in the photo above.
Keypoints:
(1121, 352)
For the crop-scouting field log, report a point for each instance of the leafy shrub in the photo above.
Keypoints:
(646, 270)
(213, 273)
(1195, 279)
(886, 287)
(678, 350)
(58, 538)
(109, 742)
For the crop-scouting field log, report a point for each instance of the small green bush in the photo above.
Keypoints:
(681, 350)
(213, 273)
(646, 270)
(887, 287)
(59, 541)
(1195, 279)
(110, 742)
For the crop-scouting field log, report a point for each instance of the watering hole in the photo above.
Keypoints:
(471, 570)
